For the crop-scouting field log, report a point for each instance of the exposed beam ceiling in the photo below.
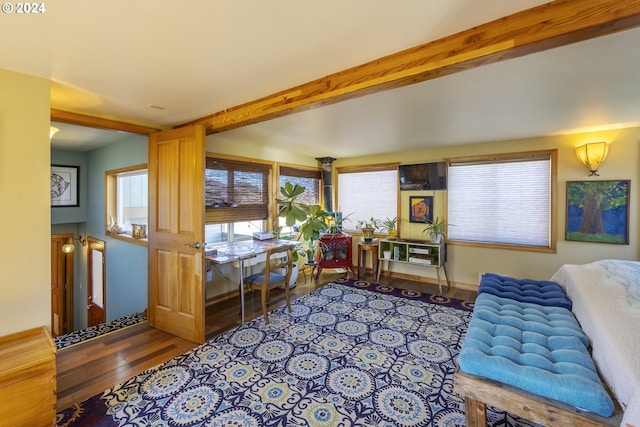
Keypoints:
(537, 29)
(166, 65)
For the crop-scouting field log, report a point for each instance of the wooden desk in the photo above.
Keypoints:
(363, 248)
(226, 253)
(28, 379)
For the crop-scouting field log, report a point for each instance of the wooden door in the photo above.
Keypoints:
(61, 286)
(97, 297)
(176, 232)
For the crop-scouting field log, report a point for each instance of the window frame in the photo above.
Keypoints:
(224, 214)
(513, 157)
(111, 202)
(350, 226)
(299, 171)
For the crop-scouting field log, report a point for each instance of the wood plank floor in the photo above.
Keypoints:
(86, 369)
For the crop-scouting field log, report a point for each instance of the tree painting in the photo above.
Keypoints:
(598, 211)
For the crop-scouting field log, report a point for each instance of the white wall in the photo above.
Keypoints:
(25, 253)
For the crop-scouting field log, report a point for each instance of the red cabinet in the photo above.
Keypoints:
(336, 252)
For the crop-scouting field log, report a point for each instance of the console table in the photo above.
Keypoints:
(416, 252)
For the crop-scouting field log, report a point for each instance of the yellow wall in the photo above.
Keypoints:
(465, 263)
(25, 259)
(216, 143)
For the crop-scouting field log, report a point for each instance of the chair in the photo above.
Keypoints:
(280, 257)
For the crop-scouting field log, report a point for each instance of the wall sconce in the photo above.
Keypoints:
(592, 155)
(68, 248)
(52, 131)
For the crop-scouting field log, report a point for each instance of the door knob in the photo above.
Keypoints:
(195, 245)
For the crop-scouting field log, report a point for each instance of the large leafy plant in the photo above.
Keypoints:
(310, 218)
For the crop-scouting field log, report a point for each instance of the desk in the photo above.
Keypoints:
(239, 252)
(363, 248)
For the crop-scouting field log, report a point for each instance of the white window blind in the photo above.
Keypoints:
(366, 194)
(506, 201)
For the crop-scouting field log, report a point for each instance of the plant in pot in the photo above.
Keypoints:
(390, 225)
(310, 218)
(436, 229)
(336, 223)
(367, 227)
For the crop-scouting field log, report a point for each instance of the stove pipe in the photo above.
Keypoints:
(326, 180)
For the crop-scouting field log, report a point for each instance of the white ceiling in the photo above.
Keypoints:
(114, 59)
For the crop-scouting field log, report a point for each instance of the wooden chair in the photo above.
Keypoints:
(280, 257)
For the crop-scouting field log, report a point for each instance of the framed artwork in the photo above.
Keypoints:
(598, 211)
(64, 186)
(420, 208)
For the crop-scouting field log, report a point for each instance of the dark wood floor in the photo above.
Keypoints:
(86, 369)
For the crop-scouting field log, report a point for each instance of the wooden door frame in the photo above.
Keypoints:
(67, 323)
(100, 245)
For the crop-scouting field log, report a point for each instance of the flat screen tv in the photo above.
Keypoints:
(423, 176)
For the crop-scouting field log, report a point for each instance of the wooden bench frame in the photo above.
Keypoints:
(479, 392)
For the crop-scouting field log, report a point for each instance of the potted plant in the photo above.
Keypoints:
(390, 225)
(311, 218)
(436, 229)
(367, 227)
(336, 222)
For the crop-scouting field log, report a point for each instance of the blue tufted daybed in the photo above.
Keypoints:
(526, 353)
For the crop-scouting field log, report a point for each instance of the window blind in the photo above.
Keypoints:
(309, 179)
(235, 191)
(506, 201)
(366, 194)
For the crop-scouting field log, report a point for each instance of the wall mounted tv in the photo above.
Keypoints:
(423, 176)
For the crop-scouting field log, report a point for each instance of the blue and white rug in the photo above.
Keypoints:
(92, 332)
(345, 356)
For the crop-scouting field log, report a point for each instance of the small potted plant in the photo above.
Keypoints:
(390, 225)
(336, 222)
(367, 227)
(436, 229)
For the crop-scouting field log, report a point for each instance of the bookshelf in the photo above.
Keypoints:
(416, 252)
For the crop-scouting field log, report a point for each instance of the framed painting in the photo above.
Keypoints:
(420, 208)
(598, 211)
(64, 186)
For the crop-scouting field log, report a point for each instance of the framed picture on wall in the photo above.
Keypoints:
(420, 208)
(598, 211)
(64, 186)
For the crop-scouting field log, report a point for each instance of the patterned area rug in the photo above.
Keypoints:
(350, 354)
(81, 335)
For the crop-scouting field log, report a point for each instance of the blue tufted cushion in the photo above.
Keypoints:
(536, 348)
(543, 292)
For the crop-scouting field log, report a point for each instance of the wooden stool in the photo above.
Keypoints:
(363, 248)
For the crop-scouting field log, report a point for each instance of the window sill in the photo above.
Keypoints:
(127, 238)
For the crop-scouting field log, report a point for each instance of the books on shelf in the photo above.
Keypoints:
(420, 260)
(424, 251)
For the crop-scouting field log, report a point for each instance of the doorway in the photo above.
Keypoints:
(61, 285)
(96, 306)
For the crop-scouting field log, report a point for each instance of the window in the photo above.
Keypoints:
(309, 179)
(127, 198)
(503, 200)
(367, 192)
(236, 199)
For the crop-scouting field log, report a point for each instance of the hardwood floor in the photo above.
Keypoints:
(86, 369)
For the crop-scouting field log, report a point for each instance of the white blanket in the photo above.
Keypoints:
(606, 302)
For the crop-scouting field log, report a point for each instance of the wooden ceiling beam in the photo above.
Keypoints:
(551, 25)
(99, 123)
